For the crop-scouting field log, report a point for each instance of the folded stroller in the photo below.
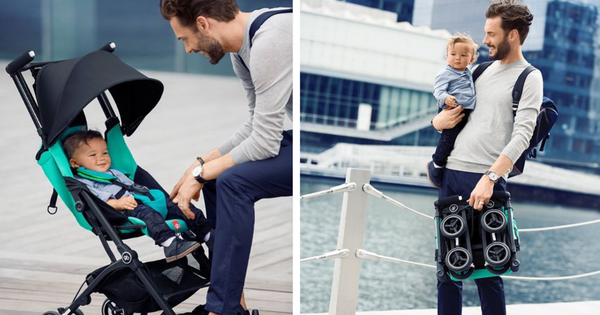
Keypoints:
(466, 250)
(63, 89)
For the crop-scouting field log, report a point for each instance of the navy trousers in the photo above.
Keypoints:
(447, 139)
(230, 205)
(491, 290)
(158, 229)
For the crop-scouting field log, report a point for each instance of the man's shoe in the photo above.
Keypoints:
(179, 249)
(434, 175)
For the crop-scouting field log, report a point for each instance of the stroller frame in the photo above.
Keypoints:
(87, 205)
(472, 252)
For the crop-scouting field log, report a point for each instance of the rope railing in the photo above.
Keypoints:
(374, 192)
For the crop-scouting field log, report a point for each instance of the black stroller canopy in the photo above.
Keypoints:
(65, 88)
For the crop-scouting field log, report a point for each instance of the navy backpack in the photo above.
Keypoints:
(545, 120)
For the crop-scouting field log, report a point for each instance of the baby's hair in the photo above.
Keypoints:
(75, 140)
(464, 38)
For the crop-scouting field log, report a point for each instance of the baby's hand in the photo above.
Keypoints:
(450, 101)
(127, 203)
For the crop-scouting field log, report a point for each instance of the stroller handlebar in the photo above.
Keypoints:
(20, 62)
(109, 47)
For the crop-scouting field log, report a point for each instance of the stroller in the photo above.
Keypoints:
(63, 89)
(465, 250)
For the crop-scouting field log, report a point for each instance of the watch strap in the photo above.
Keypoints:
(201, 160)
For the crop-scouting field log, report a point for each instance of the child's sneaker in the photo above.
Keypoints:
(434, 175)
(180, 248)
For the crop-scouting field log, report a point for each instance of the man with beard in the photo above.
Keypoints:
(492, 139)
(256, 161)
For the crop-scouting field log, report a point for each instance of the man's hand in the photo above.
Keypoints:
(187, 188)
(482, 193)
(450, 101)
(448, 118)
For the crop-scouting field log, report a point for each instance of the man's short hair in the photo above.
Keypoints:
(75, 140)
(188, 10)
(463, 38)
(514, 16)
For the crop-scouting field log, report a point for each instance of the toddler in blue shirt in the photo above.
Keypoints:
(453, 86)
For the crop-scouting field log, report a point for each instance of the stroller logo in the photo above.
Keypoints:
(176, 225)
(126, 257)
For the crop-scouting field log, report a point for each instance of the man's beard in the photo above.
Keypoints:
(502, 50)
(212, 48)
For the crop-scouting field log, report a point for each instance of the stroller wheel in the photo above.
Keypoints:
(110, 308)
(255, 312)
(458, 259)
(51, 313)
(496, 254)
(493, 221)
(452, 226)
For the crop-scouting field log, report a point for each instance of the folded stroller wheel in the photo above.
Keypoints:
(458, 259)
(452, 226)
(496, 254)
(493, 221)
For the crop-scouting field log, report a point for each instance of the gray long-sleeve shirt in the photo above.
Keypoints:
(268, 87)
(459, 84)
(491, 129)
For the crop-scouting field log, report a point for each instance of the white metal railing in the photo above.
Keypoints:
(346, 273)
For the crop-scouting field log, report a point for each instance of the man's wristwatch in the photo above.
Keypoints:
(493, 176)
(197, 173)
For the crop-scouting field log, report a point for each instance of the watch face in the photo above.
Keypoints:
(197, 171)
(493, 176)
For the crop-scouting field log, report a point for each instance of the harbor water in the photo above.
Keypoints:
(395, 232)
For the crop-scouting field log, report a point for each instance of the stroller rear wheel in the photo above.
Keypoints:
(110, 308)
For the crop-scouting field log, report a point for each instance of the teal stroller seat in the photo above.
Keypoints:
(62, 90)
(473, 244)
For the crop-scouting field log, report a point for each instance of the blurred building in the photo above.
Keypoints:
(403, 8)
(62, 29)
(364, 77)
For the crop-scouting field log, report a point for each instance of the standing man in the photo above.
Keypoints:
(492, 139)
(256, 161)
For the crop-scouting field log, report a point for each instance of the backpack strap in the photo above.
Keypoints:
(480, 68)
(256, 24)
(518, 88)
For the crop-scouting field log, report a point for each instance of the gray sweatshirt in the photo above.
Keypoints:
(268, 88)
(491, 129)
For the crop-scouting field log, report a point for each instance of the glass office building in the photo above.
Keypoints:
(404, 8)
(62, 29)
(360, 82)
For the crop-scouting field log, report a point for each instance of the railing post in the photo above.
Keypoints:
(346, 272)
